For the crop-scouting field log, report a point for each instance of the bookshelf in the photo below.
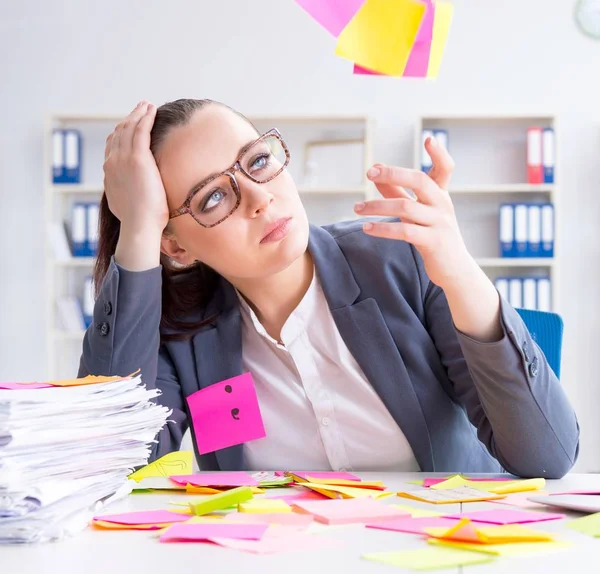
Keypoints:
(490, 153)
(328, 195)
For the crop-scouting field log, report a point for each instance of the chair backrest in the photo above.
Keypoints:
(547, 331)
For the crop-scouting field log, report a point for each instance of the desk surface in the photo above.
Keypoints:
(116, 552)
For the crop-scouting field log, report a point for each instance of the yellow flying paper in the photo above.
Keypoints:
(381, 35)
(441, 29)
(172, 464)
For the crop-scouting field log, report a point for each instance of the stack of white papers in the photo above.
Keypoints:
(67, 451)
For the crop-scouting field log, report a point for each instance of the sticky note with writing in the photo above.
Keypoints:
(226, 414)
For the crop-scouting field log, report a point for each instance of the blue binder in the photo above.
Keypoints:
(79, 242)
(506, 226)
(547, 235)
(92, 213)
(534, 230)
(548, 155)
(521, 230)
(58, 156)
(72, 156)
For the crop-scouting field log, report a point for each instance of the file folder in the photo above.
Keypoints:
(547, 236)
(534, 230)
(58, 156)
(507, 233)
(521, 231)
(426, 162)
(544, 294)
(88, 300)
(535, 172)
(530, 293)
(515, 292)
(501, 284)
(79, 245)
(93, 210)
(72, 156)
(548, 151)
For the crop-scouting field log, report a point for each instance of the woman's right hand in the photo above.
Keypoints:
(135, 191)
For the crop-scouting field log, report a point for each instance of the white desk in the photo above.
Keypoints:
(119, 552)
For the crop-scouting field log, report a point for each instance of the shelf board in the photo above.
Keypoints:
(502, 188)
(332, 190)
(74, 262)
(467, 118)
(76, 188)
(516, 262)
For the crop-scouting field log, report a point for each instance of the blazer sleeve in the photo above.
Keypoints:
(510, 393)
(124, 336)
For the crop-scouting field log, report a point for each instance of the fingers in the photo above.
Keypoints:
(141, 136)
(107, 147)
(443, 164)
(405, 209)
(129, 125)
(426, 190)
(418, 235)
(393, 191)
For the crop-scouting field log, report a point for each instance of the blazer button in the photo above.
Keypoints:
(104, 328)
(107, 307)
(533, 367)
(525, 353)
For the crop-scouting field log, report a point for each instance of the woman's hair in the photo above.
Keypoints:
(184, 290)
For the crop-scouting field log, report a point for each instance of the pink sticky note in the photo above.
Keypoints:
(418, 61)
(272, 542)
(216, 479)
(226, 414)
(519, 499)
(22, 386)
(502, 516)
(349, 510)
(333, 15)
(201, 532)
(414, 525)
(285, 518)
(327, 475)
(144, 517)
(304, 495)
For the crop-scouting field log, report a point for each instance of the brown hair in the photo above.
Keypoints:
(184, 290)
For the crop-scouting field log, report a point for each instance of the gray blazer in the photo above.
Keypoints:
(464, 406)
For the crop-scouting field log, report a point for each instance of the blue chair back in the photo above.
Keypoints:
(547, 331)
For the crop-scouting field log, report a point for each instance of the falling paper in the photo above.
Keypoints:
(441, 29)
(333, 15)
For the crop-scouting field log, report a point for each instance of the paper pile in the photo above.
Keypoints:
(67, 448)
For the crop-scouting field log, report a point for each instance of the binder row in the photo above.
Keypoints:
(526, 230)
(533, 293)
(84, 229)
(441, 137)
(66, 156)
(540, 155)
(75, 313)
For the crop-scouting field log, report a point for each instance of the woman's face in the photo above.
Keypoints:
(269, 229)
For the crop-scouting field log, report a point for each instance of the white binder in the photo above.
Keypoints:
(515, 292)
(530, 293)
(544, 294)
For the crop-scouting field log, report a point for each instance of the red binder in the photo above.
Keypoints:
(535, 169)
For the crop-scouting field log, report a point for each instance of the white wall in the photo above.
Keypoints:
(268, 57)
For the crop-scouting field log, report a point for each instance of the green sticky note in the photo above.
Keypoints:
(220, 501)
(429, 558)
(279, 482)
(589, 525)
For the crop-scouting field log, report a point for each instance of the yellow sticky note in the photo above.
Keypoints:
(493, 486)
(518, 486)
(115, 526)
(416, 512)
(220, 501)
(264, 506)
(346, 491)
(381, 35)
(589, 525)
(172, 464)
(429, 558)
(441, 28)
(501, 549)
(374, 484)
(507, 533)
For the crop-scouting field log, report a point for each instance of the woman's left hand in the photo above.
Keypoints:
(429, 222)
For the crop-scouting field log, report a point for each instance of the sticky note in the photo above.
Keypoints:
(521, 500)
(333, 15)
(418, 61)
(506, 516)
(236, 478)
(144, 517)
(381, 35)
(273, 543)
(304, 495)
(226, 414)
(501, 549)
(493, 486)
(264, 505)
(589, 525)
(347, 511)
(206, 531)
(323, 476)
(374, 485)
(89, 380)
(220, 501)
(116, 526)
(416, 512)
(21, 386)
(333, 491)
(448, 496)
(177, 462)
(285, 518)
(441, 30)
(467, 531)
(413, 525)
(463, 531)
(429, 482)
(428, 558)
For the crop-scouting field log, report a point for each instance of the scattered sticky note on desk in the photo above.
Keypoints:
(273, 542)
(285, 518)
(381, 35)
(334, 491)
(144, 517)
(226, 414)
(173, 463)
(513, 549)
(448, 496)
(207, 531)
(333, 15)
(426, 559)
(506, 516)
(220, 501)
(303, 495)
(116, 526)
(416, 512)
(589, 525)
(323, 476)
(374, 484)
(347, 511)
(264, 506)
(413, 525)
(493, 486)
(235, 478)
(521, 500)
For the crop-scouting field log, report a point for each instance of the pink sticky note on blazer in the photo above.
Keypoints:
(226, 414)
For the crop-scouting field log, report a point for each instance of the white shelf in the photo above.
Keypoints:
(74, 262)
(332, 191)
(516, 262)
(76, 188)
(502, 188)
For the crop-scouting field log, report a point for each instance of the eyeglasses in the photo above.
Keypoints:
(217, 197)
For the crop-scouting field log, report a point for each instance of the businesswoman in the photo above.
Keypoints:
(374, 345)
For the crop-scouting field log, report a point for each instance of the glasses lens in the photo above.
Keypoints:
(265, 159)
(215, 201)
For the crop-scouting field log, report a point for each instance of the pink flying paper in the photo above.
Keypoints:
(349, 510)
(226, 414)
(413, 525)
(202, 532)
(333, 15)
(144, 517)
(502, 516)
(216, 479)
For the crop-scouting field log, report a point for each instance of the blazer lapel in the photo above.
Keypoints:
(364, 330)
